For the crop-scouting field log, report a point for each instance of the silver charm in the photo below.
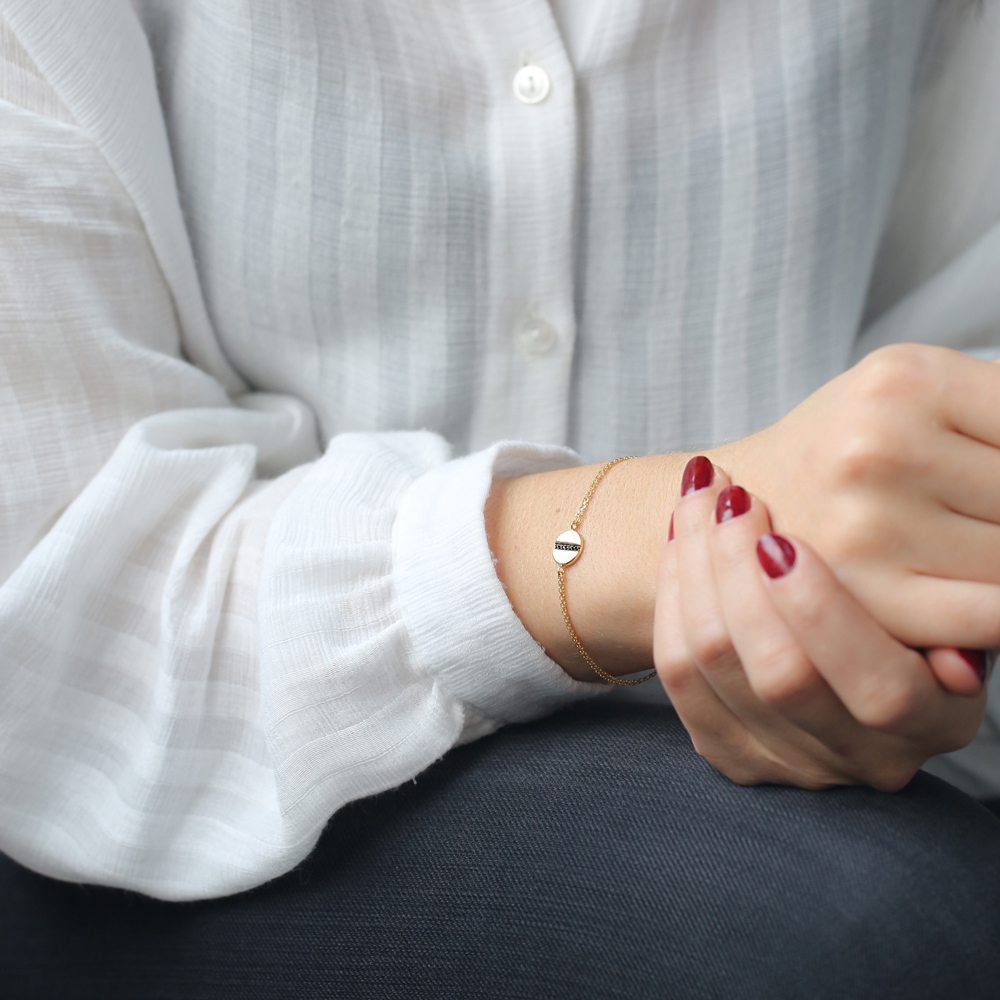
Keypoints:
(567, 548)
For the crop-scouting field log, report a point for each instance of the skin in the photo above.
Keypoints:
(611, 589)
(892, 473)
(791, 680)
(888, 480)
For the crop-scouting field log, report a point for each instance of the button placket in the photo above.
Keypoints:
(533, 126)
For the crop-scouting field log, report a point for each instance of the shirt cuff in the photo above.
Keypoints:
(463, 630)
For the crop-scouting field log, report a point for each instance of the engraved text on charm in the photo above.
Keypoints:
(567, 548)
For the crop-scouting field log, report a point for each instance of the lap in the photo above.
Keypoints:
(589, 854)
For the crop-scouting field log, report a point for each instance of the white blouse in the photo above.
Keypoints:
(284, 287)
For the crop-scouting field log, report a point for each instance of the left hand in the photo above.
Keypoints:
(790, 679)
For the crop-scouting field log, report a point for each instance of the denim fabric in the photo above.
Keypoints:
(592, 854)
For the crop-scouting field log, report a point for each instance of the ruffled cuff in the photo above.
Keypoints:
(463, 630)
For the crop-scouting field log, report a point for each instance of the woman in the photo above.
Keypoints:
(412, 233)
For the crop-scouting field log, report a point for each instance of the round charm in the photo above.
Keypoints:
(568, 547)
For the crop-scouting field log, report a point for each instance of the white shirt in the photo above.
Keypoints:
(210, 636)
(578, 21)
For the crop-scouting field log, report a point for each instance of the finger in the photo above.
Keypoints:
(707, 642)
(715, 732)
(700, 616)
(776, 666)
(926, 611)
(952, 544)
(961, 671)
(728, 537)
(968, 389)
(965, 476)
(883, 684)
(777, 669)
(733, 530)
(719, 734)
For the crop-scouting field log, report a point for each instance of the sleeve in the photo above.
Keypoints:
(199, 664)
(937, 275)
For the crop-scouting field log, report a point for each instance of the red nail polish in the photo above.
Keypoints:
(698, 474)
(976, 658)
(670, 533)
(733, 501)
(776, 554)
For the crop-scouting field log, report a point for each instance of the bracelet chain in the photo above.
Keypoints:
(602, 673)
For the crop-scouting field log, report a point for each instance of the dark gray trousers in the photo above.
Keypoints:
(589, 855)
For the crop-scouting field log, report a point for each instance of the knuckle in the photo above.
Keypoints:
(675, 672)
(888, 708)
(710, 644)
(784, 684)
(876, 438)
(875, 446)
(897, 370)
(864, 450)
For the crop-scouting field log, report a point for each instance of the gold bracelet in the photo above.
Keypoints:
(567, 549)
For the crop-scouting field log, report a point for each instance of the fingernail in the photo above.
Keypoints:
(698, 474)
(670, 533)
(776, 554)
(976, 658)
(733, 501)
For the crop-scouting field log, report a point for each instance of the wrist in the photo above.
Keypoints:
(611, 589)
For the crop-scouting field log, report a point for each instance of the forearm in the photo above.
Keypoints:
(889, 471)
(611, 589)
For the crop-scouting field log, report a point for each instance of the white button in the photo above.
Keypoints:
(536, 336)
(531, 84)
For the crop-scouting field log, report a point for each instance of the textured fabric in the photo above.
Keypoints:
(578, 20)
(211, 637)
(590, 855)
(695, 211)
(199, 666)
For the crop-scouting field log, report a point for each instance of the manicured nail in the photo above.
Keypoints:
(698, 474)
(776, 554)
(670, 533)
(733, 501)
(976, 658)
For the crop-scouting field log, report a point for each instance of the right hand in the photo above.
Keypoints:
(891, 472)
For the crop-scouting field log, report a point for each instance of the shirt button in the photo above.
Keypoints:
(536, 336)
(531, 85)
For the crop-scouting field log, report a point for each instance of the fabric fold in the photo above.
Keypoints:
(463, 629)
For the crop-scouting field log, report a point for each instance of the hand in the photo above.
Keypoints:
(789, 679)
(892, 473)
